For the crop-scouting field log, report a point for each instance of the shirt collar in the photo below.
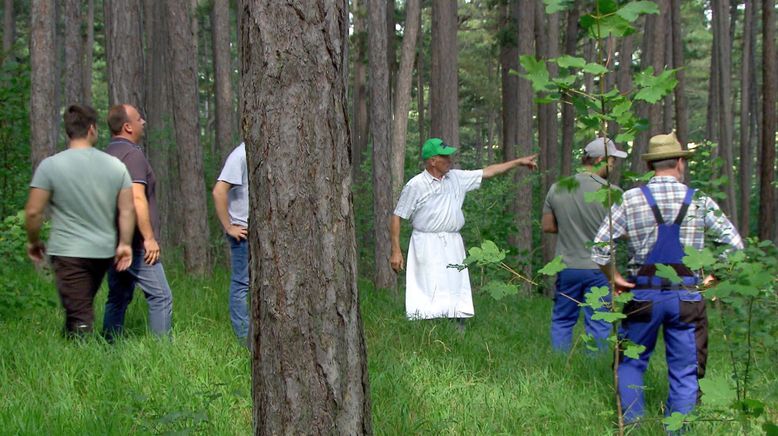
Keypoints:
(430, 178)
(663, 179)
(119, 139)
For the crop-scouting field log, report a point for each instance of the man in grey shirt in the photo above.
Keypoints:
(231, 200)
(83, 189)
(575, 221)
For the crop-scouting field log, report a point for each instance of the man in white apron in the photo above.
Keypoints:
(432, 201)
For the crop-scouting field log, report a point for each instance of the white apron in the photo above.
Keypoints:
(432, 289)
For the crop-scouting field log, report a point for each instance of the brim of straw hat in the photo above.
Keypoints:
(661, 155)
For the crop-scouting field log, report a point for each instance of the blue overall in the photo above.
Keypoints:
(678, 308)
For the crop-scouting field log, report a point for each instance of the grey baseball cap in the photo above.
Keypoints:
(596, 148)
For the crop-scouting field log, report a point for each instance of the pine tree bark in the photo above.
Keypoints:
(720, 10)
(309, 362)
(380, 115)
(124, 52)
(74, 52)
(182, 69)
(444, 88)
(44, 116)
(681, 111)
(746, 156)
(220, 22)
(769, 97)
(509, 61)
(9, 26)
(568, 112)
(420, 87)
(402, 94)
(359, 105)
(88, 45)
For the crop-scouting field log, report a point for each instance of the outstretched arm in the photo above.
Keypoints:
(396, 259)
(496, 169)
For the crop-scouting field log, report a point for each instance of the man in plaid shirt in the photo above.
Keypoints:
(658, 220)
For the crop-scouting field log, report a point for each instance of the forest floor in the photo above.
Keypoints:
(498, 377)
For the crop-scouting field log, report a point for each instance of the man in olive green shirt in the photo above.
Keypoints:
(84, 190)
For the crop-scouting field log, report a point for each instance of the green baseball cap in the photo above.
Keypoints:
(436, 147)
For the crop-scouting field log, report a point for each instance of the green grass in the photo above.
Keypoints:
(499, 377)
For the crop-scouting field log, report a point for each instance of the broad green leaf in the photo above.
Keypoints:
(553, 267)
(589, 342)
(610, 317)
(606, 6)
(553, 6)
(697, 259)
(537, 72)
(604, 26)
(667, 272)
(716, 391)
(654, 88)
(499, 289)
(722, 289)
(633, 10)
(675, 421)
(770, 429)
(621, 107)
(564, 81)
(595, 69)
(594, 298)
(633, 350)
(568, 61)
(569, 183)
(624, 297)
(601, 196)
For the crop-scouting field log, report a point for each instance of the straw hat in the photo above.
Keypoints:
(665, 147)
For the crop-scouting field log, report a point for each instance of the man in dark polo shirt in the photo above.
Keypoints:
(146, 271)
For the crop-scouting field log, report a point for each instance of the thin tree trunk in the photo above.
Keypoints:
(220, 22)
(522, 203)
(769, 97)
(509, 61)
(568, 112)
(746, 157)
(360, 90)
(668, 106)
(402, 94)
(182, 56)
(74, 49)
(124, 52)
(681, 111)
(443, 81)
(9, 26)
(624, 83)
(420, 87)
(726, 119)
(88, 44)
(380, 127)
(309, 363)
(44, 116)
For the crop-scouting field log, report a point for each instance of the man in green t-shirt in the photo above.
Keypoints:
(566, 213)
(84, 190)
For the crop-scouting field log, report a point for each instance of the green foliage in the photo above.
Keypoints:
(487, 254)
(556, 265)
(15, 171)
(667, 272)
(595, 296)
(499, 289)
(653, 88)
(632, 350)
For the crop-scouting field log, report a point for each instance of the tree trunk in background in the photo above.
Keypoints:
(522, 203)
(182, 59)
(746, 156)
(668, 108)
(509, 60)
(726, 119)
(391, 51)
(568, 112)
(159, 140)
(9, 26)
(769, 96)
(124, 52)
(402, 95)
(44, 113)
(681, 111)
(220, 22)
(380, 115)
(309, 361)
(360, 123)
(714, 101)
(624, 83)
(74, 52)
(88, 44)
(659, 26)
(444, 88)
(420, 87)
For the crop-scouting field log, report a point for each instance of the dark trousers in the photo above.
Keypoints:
(78, 280)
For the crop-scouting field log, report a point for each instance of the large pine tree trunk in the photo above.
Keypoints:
(380, 113)
(746, 155)
(220, 16)
(182, 57)
(309, 364)
(568, 112)
(444, 88)
(681, 111)
(359, 102)
(44, 116)
(88, 44)
(124, 52)
(726, 119)
(769, 96)
(509, 61)
(420, 88)
(9, 26)
(402, 94)
(74, 49)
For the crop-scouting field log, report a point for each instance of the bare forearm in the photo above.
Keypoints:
(33, 222)
(126, 216)
(143, 218)
(220, 204)
(497, 169)
(394, 231)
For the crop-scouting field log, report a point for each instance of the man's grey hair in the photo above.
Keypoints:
(664, 164)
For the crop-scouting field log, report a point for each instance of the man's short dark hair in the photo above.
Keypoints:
(117, 117)
(588, 160)
(664, 164)
(78, 119)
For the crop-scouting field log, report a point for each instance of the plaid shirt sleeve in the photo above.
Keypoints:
(719, 227)
(601, 254)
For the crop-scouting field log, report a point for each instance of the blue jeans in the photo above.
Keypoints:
(239, 287)
(575, 283)
(121, 285)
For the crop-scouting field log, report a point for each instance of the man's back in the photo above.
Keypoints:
(84, 184)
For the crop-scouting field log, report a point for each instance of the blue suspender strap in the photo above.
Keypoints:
(687, 201)
(652, 204)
